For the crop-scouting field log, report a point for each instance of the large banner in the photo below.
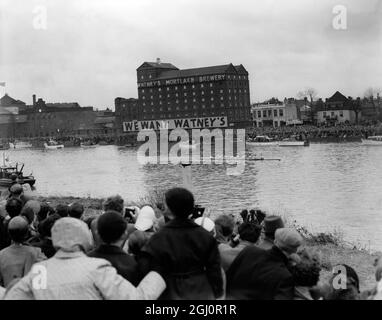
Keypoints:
(186, 123)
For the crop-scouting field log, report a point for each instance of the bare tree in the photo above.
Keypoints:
(312, 94)
(308, 92)
(372, 92)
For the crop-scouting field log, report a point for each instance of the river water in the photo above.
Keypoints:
(324, 187)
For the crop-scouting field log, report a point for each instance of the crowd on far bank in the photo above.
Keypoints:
(311, 132)
(164, 251)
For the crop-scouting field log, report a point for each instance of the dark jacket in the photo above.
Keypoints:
(187, 257)
(258, 274)
(125, 264)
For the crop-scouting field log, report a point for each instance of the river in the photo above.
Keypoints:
(324, 187)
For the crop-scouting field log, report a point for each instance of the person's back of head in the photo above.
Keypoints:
(224, 226)
(249, 231)
(62, 210)
(13, 207)
(45, 211)
(344, 284)
(28, 214)
(18, 229)
(180, 201)
(306, 268)
(16, 190)
(111, 227)
(114, 203)
(288, 240)
(76, 210)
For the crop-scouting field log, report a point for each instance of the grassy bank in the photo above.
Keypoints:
(330, 246)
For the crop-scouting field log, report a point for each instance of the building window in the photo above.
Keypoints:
(143, 97)
(168, 89)
(203, 106)
(176, 95)
(324, 114)
(160, 96)
(168, 96)
(177, 101)
(221, 91)
(275, 113)
(212, 91)
(142, 90)
(194, 100)
(185, 94)
(341, 113)
(176, 87)
(194, 93)
(149, 76)
(152, 103)
(212, 98)
(185, 100)
(264, 113)
(221, 98)
(281, 112)
(222, 105)
(159, 89)
(144, 103)
(193, 86)
(202, 85)
(151, 97)
(203, 99)
(259, 114)
(184, 87)
(202, 92)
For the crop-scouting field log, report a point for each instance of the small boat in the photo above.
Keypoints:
(20, 145)
(4, 146)
(261, 141)
(372, 141)
(293, 142)
(12, 174)
(53, 145)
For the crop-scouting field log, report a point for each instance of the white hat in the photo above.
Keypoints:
(206, 223)
(146, 218)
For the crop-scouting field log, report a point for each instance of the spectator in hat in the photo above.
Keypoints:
(185, 253)
(145, 220)
(74, 276)
(258, 274)
(249, 234)
(271, 224)
(112, 229)
(17, 191)
(76, 210)
(17, 259)
(224, 226)
(207, 224)
(62, 210)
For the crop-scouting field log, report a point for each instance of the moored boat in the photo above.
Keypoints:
(20, 145)
(261, 141)
(372, 141)
(11, 174)
(53, 145)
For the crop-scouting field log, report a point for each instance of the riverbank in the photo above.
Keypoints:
(329, 246)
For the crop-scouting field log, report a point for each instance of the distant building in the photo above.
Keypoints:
(125, 110)
(338, 109)
(10, 119)
(371, 109)
(274, 113)
(165, 92)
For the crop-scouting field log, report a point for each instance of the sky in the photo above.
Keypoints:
(90, 49)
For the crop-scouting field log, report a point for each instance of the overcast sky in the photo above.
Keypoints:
(91, 48)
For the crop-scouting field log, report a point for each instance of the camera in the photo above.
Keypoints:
(128, 214)
(197, 212)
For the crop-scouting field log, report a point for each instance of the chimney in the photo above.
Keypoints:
(34, 99)
(158, 60)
